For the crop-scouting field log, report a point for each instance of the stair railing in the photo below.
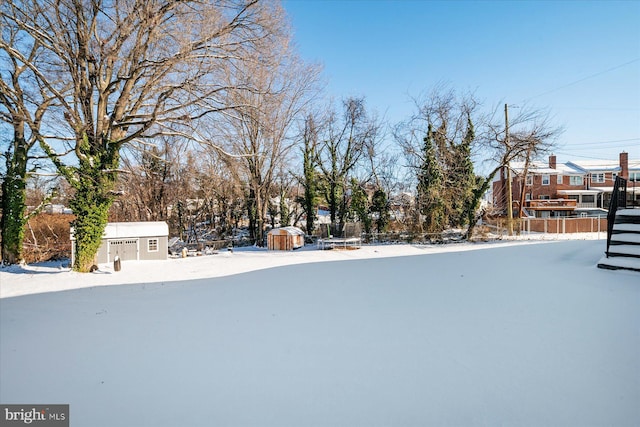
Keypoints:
(618, 201)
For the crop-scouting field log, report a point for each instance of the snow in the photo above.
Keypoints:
(619, 262)
(117, 230)
(56, 276)
(626, 237)
(626, 249)
(628, 212)
(510, 333)
(627, 227)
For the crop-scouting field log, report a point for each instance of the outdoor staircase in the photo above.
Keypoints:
(623, 246)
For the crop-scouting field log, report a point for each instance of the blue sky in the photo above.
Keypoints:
(579, 59)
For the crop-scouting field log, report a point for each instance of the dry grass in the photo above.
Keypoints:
(47, 237)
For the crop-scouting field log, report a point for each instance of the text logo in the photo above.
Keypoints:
(34, 415)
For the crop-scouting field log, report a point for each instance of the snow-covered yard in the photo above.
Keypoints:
(463, 335)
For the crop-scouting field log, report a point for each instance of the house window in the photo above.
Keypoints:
(588, 198)
(546, 179)
(152, 245)
(529, 180)
(559, 181)
(527, 196)
(575, 180)
(597, 177)
(634, 176)
(544, 198)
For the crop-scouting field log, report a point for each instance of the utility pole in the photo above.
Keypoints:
(524, 178)
(509, 195)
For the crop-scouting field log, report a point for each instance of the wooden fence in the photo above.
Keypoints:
(564, 225)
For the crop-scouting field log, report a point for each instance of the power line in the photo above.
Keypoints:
(597, 108)
(585, 78)
(571, 154)
(581, 144)
(610, 147)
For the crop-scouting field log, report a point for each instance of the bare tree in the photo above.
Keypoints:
(136, 68)
(23, 108)
(257, 132)
(151, 180)
(345, 140)
(308, 177)
(437, 143)
(526, 136)
(219, 190)
(456, 130)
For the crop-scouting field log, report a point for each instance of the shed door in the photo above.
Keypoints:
(280, 243)
(283, 243)
(126, 249)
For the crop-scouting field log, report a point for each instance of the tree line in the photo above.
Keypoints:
(203, 111)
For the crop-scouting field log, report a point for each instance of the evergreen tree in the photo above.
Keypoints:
(345, 142)
(430, 188)
(360, 205)
(272, 210)
(460, 178)
(380, 206)
(285, 215)
(467, 176)
(309, 178)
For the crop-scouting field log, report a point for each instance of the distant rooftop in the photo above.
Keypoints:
(596, 165)
(543, 168)
(575, 167)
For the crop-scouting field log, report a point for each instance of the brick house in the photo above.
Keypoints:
(574, 188)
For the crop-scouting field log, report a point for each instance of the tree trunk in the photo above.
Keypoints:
(260, 209)
(252, 213)
(14, 205)
(478, 192)
(309, 209)
(309, 184)
(91, 203)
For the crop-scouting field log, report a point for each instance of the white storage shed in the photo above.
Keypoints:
(132, 241)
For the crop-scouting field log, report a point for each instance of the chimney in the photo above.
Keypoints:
(624, 165)
(552, 161)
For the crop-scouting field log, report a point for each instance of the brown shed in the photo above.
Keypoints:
(285, 239)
